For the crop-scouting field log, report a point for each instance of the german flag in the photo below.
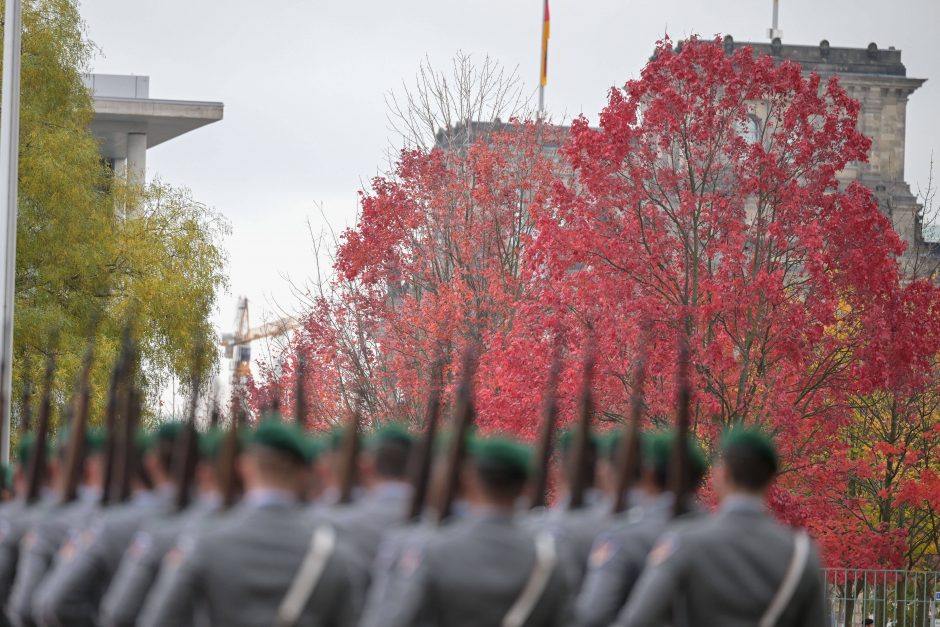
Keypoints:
(543, 77)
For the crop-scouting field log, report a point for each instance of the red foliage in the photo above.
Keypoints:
(705, 203)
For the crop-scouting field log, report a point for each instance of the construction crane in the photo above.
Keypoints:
(237, 345)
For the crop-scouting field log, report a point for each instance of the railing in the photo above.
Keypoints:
(891, 598)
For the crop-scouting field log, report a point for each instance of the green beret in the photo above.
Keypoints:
(24, 446)
(658, 448)
(94, 439)
(282, 436)
(567, 438)
(7, 471)
(210, 443)
(392, 432)
(502, 452)
(750, 440)
(170, 431)
(144, 440)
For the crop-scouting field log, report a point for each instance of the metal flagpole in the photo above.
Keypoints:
(543, 61)
(774, 31)
(9, 168)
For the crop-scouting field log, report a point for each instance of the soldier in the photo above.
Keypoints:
(266, 563)
(739, 567)
(619, 553)
(485, 569)
(575, 529)
(383, 468)
(18, 516)
(140, 564)
(44, 539)
(71, 593)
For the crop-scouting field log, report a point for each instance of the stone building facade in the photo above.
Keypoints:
(878, 80)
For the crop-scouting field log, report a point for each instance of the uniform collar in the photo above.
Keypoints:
(89, 493)
(209, 501)
(260, 498)
(391, 490)
(744, 503)
(486, 513)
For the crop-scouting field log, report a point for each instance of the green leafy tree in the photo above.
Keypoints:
(81, 259)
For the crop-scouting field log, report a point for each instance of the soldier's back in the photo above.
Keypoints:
(477, 569)
(244, 566)
(724, 571)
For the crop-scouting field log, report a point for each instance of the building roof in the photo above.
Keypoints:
(122, 105)
(825, 59)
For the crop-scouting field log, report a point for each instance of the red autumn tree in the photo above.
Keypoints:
(707, 203)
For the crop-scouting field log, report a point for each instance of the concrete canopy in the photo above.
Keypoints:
(160, 120)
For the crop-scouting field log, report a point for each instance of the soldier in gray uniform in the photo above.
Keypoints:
(71, 593)
(574, 530)
(739, 568)
(18, 516)
(485, 569)
(620, 552)
(383, 469)
(44, 539)
(125, 598)
(265, 564)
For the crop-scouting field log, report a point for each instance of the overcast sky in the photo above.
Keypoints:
(303, 82)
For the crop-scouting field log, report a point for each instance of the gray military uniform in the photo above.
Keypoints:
(471, 574)
(39, 548)
(724, 571)
(617, 560)
(71, 592)
(140, 565)
(575, 531)
(363, 523)
(238, 572)
(16, 518)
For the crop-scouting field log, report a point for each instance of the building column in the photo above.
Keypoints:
(137, 159)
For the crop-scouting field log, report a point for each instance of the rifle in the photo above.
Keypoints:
(75, 453)
(187, 448)
(37, 462)
(464, 414)
(124, 450)
(228, 456)
(26, 412)
(680, 457)
(546, 436)
(420, 462)
(349, 449)
(300, 401)
(628, 453)
(111, 435)
(577, 471)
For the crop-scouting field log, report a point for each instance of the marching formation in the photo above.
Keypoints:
(266, 524)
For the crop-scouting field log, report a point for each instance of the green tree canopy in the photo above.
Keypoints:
(81, 256)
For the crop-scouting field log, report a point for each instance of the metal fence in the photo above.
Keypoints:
(892, 598)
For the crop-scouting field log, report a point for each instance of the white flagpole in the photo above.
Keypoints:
(9, 168)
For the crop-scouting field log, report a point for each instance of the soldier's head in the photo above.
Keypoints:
(92, 472)
(277, 456)
(210, 445)
(608, 461)
(748, 462)
(386, 455)
(567, 442)
(496, 472)
(160, 450)
(658, 452)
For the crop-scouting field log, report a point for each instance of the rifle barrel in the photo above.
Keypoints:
(577, 470)
(349, 454)
(464, 414)
(75, 454)
(680, 461)
(37, 466)
(628, 453)
(546, 436)
(422, 457)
